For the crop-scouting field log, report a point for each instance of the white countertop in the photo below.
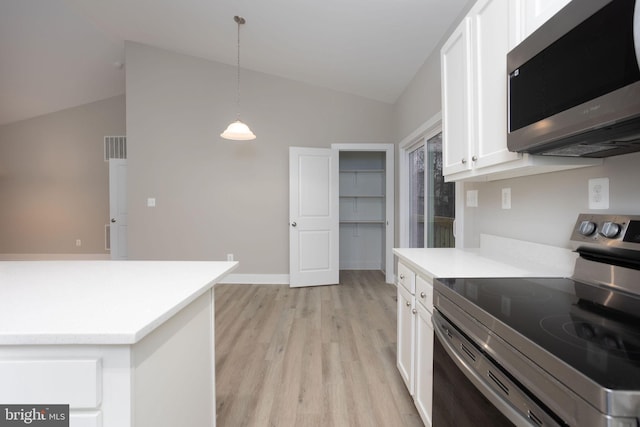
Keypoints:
(498, 257)
(97, 302)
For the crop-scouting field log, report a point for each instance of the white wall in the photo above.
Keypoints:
(545, 207)
(54, 182)
(216, 196)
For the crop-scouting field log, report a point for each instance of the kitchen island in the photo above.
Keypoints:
(123, 343)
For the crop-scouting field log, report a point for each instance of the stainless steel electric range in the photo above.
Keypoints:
(545, 351)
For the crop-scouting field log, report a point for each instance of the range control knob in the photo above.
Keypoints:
(587, 228)
(610, 229)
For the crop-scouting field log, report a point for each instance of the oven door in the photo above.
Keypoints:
(469, 389)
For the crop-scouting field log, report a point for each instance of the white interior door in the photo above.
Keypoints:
(313, 217)
(118, 207)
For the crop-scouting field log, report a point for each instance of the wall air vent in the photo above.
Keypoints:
(115, 147)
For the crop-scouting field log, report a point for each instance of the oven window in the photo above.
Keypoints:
(456, 401)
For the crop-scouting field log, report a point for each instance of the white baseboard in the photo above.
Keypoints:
(256, 279)
(53, 257)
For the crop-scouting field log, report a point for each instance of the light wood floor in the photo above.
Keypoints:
(321, 356)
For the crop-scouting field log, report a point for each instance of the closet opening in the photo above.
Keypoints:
(366, 207)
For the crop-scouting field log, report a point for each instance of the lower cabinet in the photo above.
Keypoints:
(406, 336)
(415, 344)
(424, 364)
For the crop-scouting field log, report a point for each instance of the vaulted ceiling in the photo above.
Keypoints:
(56, 54)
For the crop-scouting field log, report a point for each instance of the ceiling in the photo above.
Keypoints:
(56, 54)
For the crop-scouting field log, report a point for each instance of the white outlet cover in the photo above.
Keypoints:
(151, 202)
(599, 193)
(506, 198)
(472, 198)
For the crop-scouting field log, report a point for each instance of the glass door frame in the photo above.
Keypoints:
(427, 130)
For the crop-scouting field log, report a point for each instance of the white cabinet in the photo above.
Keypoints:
(423, 386)
(474, 97)
(415, 338)
(491, 39)
(473, 83)
(456, 93)
(406, 324)
(537, 12)
(406, 334)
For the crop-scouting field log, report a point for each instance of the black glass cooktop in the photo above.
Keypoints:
(601, 343)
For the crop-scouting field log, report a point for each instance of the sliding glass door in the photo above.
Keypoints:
(441, 197)
(416, 198)
(431, 200)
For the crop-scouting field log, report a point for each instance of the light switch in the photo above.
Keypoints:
(151, 202)
(472, 198)
(506, 198)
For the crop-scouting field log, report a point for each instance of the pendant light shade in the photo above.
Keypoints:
(238, 130)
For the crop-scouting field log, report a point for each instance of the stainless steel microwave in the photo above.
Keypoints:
(574, 84)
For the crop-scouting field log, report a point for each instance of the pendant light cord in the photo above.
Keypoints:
(240, 21)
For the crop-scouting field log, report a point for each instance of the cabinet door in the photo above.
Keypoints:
(537, 12)
(456, 100)
(406, 337)
(491, 41)
(423, 397)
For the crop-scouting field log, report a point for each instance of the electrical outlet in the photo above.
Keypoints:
(599, 193)
(506, 198)
(151, 202)
(229, 257)
(78, 242)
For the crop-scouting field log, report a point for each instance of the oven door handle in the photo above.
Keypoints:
(503, 394)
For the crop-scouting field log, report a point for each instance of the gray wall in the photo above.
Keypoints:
(216, 196)
(54, 183)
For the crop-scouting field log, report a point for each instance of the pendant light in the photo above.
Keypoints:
(238, 131)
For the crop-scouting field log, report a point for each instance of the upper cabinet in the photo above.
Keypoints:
(456, 93)
(474, 98)
(537, 12)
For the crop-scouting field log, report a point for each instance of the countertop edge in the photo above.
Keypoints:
(99, 338)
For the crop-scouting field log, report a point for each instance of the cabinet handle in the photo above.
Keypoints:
(414, 311)
(408, 303)
(422, 295)
(474, 158)
(464, 161)
(401, 276)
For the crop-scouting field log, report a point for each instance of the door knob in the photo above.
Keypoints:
(113, 220)
(293, 224)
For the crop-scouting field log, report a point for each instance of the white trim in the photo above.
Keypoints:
(389, 150)
(53, 257)
(256, 279)
(422, 130)
(458, 229)
(428, 129)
